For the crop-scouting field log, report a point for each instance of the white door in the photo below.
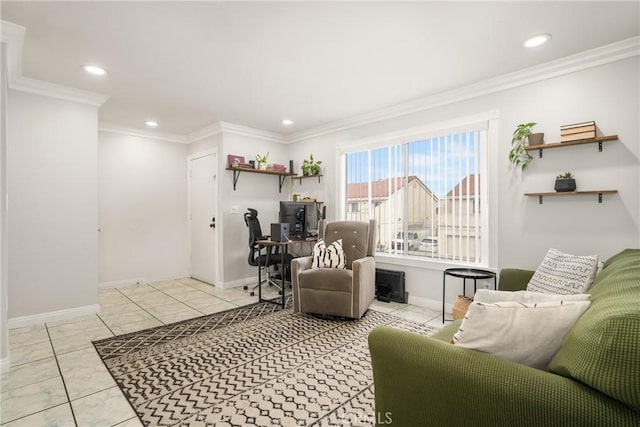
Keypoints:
(203, 174)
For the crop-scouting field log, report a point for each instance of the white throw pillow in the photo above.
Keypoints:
(564, 274)
(331, 256)
(489, 296)
(527, 333)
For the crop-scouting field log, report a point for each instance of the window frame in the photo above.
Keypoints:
(487, 121)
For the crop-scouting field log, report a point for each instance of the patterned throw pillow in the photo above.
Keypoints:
(564, 274)
(331, 256)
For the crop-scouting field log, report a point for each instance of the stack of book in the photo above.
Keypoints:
(279, 168)
(578, 131)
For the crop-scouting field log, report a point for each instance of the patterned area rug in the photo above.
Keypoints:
(255, 365)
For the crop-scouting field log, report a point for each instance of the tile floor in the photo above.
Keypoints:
(57, 379)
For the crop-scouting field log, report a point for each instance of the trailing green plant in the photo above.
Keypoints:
(311, 167)
(518, 155)
(262, 159)
(567, 175)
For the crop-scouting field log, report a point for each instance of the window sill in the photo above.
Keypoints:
(426, 263)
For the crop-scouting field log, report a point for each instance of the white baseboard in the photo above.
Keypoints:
(4, 365)
(52, 316)
(238, 283)
(428, 303)
(122, 283)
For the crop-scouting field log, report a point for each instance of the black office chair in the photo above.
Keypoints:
(264, 257)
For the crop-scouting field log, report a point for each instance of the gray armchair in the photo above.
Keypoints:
(339, 292)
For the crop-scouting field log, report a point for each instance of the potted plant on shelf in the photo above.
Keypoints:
(262, 161)
(565, 183)
(523, 137)
(310, 166)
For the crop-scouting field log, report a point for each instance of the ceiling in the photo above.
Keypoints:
(190, 64)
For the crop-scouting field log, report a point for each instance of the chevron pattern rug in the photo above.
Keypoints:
(255, 365)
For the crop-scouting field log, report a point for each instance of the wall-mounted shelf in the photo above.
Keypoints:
(572, 193)
(301, 177)
(281, 175)
(599, 140)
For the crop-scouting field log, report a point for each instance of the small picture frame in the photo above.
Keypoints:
(235, 161)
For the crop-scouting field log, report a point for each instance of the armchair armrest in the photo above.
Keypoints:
(419, 380)
(362, 267)
(298, 265)
(513, 279)
(364, 284)
(301, 264)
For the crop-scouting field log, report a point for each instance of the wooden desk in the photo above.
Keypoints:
(284, 250)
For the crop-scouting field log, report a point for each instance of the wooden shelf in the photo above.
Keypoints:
(572, 193)
(281, 175)
(598, 140)
(301, 177)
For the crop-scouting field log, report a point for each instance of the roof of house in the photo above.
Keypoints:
(379, 189)
(467, 186)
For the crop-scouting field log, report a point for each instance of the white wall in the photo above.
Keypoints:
(4, 333)
(326, 191)
(521, 229)
(142, 209)
(52, 164)
(257, 191)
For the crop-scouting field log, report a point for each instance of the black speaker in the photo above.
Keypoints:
(390, 286)
(280, 232)
(291, 166)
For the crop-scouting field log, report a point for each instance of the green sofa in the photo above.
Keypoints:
(593, 380)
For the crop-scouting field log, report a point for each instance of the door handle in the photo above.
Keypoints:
(213, 222)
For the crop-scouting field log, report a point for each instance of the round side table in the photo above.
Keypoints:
(465, 274)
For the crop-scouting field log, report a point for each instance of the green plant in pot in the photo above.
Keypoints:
(522, 137)
(565, 183)
(262, 161)
(310, 166)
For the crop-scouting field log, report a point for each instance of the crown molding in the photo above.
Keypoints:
(581, 61)
(161, 136)
(207, 131)
(252, 132)
(226, 127)
(13, 36)
(53, 90)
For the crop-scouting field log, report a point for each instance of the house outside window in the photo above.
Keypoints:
(425, 194)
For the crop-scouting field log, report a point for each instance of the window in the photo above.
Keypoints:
(354, 207)
(424, 193)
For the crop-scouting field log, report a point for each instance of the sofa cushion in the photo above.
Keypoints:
(561, 273)
(602, 350)
(525, 332)
(447, 332)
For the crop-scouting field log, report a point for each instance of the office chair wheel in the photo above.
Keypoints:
(245, 287)
(279, 292)
(253, 294)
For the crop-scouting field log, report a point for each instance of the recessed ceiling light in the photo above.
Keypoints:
(536, 40)
(151, 123)
(95, 70)
(287, 122)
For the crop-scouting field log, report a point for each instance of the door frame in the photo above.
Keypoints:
(216, 264)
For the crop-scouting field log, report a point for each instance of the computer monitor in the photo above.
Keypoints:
(302, 218)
